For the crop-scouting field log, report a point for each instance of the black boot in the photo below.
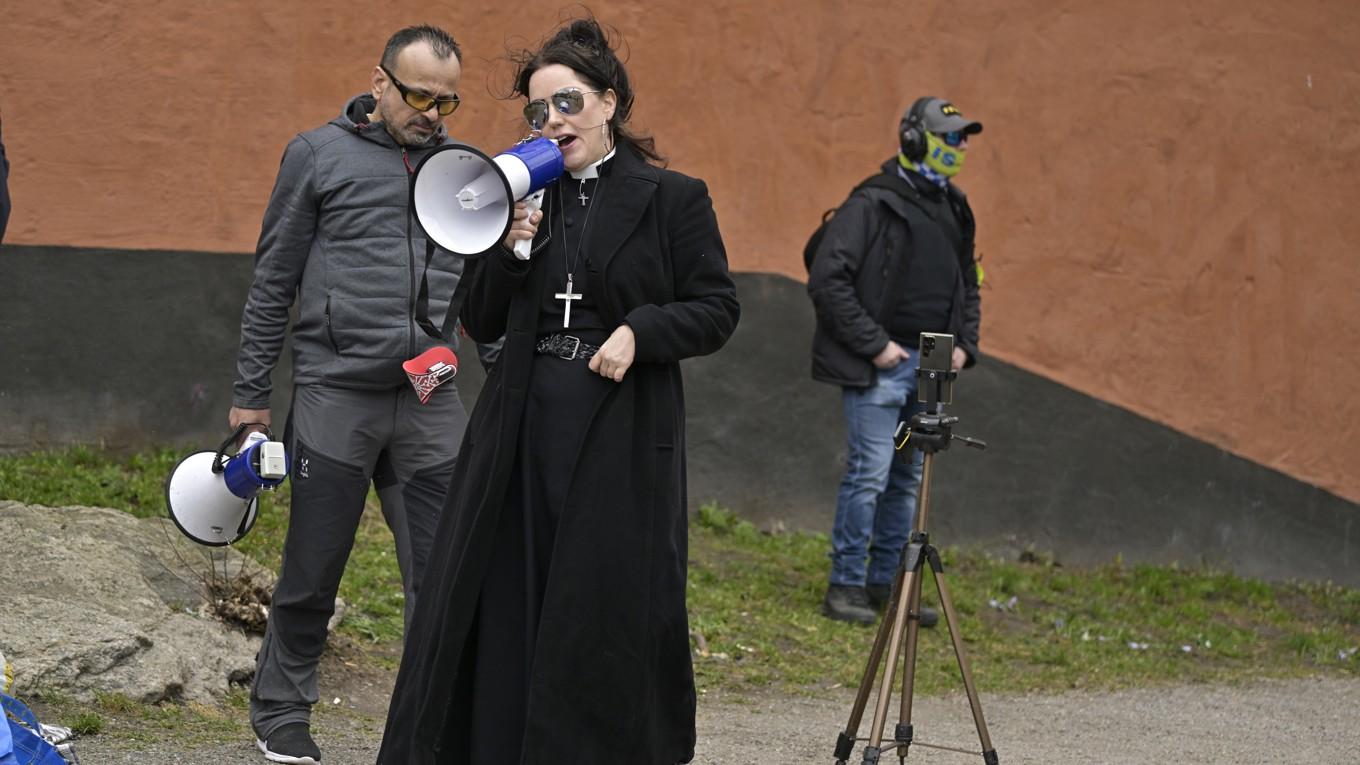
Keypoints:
(880, 594)
(846, 603)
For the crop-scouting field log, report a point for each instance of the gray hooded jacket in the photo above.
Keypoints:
(334, 238)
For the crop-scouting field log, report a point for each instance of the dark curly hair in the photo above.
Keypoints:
(583, 46)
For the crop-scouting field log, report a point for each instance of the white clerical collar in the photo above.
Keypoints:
(593, 169)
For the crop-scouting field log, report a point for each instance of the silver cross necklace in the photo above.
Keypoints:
(567, 295)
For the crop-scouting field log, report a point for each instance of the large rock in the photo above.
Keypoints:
(96, 600)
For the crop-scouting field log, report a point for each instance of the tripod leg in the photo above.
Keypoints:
(909, 586)
(918, 552)
(846, 741)
(903, 733)
(951, 618)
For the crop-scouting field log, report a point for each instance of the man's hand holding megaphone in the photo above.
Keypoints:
(254, 420)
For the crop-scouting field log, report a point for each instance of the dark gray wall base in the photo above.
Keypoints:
(138, 348)
(1064, 473)
(128, 348)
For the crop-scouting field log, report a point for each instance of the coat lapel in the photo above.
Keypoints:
(630, 187)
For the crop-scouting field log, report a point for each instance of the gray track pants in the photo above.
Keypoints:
(338, 441)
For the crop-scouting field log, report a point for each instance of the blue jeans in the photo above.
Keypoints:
(876, 502)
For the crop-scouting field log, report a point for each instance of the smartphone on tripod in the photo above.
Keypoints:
(937, 355)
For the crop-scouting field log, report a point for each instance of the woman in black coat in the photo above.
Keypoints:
(551, 623)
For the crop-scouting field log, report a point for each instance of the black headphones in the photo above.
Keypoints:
(912, 130)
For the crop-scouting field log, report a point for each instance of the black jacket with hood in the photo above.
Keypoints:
(861, 264)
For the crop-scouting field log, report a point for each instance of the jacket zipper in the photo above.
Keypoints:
(411, 267)
(330, 330)
(889, 263)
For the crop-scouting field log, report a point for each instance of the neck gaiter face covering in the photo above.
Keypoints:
(943, 159)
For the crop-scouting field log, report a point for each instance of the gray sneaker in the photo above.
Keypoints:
(846, 603)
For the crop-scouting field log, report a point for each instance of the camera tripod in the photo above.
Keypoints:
(929, 432)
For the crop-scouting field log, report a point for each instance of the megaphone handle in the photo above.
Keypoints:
(535, 203)
(220, 461)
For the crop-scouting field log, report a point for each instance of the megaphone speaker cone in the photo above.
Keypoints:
(202, 506)
(464, 200)
(435, 187)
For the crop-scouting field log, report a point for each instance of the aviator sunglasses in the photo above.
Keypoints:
(567, 101)
(422, 102)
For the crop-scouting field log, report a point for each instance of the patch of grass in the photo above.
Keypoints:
(124, 718)
(51, 696)
(174, 726)
(117, 703)
(87, 724)
(1027, 626)
(754, 598)
(84, 475)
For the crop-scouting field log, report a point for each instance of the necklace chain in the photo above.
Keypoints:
(567, 295)
(561, 215)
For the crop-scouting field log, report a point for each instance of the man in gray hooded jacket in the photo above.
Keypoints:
(335, 241)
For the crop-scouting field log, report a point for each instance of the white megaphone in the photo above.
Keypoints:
(214, 499)
(465, 200)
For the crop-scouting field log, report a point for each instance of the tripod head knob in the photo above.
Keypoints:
(976, 443)
(931, 432)
(928, 420)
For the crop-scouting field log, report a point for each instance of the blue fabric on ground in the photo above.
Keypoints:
(28, 746)
(7, 747)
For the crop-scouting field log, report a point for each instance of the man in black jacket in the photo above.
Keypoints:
(895, 261)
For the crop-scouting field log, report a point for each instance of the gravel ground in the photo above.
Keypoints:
(1280, 721)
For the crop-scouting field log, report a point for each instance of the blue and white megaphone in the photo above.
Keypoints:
(214, 499)
(465, 200)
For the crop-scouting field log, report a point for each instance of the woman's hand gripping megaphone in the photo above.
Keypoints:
(528, 212)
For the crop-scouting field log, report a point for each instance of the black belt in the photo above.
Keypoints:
(566, 347)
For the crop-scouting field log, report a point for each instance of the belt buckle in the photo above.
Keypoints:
(574, 349)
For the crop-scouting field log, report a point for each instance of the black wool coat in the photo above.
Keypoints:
(612, 680)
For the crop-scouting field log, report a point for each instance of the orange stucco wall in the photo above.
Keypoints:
(1166, 190)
